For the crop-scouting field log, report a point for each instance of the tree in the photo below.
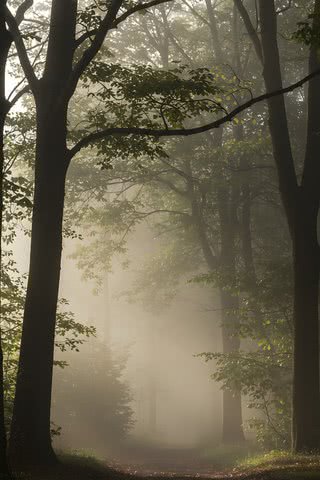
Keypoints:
(30, 440)
(6, 41)
(301, 204)
(98, 404)
(68, 58)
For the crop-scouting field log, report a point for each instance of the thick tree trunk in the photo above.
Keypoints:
(301, 205)
(30, 440)
(5, 42)
(306, 397)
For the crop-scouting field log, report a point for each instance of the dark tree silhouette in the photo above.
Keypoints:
(301, 205)
(5, 106)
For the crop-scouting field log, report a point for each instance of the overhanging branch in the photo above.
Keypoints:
(185, 132)
(137, 8)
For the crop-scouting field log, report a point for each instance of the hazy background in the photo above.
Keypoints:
(174, 401)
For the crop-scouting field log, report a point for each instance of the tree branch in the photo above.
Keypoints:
(18, 95)
(184, 132)
(22, 51)
(22, 9)
(250, 28)
(121, 18)
(196, 14)
(96, 44)
(137, 8)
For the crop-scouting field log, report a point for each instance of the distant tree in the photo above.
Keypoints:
(92, 396)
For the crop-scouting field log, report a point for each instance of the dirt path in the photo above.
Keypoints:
(150, 461)
(169, 462)
(160, 464)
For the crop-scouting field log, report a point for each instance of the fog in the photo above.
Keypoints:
(174, 401)
(160, 205)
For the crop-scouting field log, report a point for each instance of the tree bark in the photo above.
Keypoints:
(301, 204)
(30, 440)
(232, 430)
(5, 42)
(306, 259)
(306, 396)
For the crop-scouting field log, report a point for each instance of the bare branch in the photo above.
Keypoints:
(196, 14)
(185, 132)
(137, 8)
(250, 28)
(122, 18)
(22, 9)
(18, 95)
(22, 51)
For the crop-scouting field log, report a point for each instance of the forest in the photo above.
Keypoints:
(160, 229)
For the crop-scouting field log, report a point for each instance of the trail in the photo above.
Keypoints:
(178, 463)
(164, 461)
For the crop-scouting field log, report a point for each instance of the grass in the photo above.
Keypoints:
(81, 458)
(281, 465)
(246, 461)
(227, 456)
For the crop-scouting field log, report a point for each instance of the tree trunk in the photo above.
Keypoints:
(3, 435)
(5, 42)
(306, 397)
(232, 430)
(30, 440)
(4, 472)
(301, 205)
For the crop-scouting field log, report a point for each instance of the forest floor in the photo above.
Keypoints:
(265, 467)
(220, 462)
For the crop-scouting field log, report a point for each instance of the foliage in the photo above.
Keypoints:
(70, 334)
(263, 372)
(308, 31)
(143, 96)
(92, 395)
(145, 180)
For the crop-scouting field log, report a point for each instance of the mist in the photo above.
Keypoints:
(175, 404)
(160, 259)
